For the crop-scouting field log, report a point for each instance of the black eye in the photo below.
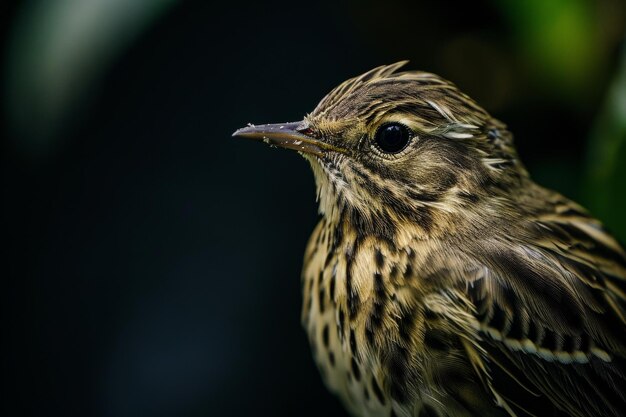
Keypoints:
(392, 137)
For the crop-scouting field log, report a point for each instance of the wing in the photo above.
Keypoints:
(552, 309)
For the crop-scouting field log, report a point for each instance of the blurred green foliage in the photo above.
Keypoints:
(560, 37)
(565, 45)
(605, 180)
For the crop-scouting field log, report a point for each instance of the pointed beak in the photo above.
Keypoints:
(295, 136)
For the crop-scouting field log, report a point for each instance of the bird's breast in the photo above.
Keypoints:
(365, 316)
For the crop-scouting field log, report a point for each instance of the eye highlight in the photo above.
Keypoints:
(392, 138)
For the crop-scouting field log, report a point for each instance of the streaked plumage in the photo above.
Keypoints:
(441, 280)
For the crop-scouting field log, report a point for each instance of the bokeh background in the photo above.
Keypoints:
(151, 263)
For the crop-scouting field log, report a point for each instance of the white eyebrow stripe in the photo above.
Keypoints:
(467, 126)
(443, 111)
(457, 135)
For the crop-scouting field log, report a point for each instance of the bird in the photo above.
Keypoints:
(441, 280)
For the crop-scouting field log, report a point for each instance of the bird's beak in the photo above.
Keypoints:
(294, 136)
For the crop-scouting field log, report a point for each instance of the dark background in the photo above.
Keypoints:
(151, 263)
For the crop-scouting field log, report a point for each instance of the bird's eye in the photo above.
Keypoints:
(392, 137)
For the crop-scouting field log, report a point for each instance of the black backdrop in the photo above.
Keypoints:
(152, 262)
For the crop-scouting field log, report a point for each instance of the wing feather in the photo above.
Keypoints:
(552, 308)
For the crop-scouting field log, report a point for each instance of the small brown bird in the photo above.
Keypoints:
(441, 280)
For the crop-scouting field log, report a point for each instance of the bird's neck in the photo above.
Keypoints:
(464, 210)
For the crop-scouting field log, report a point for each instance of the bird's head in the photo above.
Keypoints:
(389, 146)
